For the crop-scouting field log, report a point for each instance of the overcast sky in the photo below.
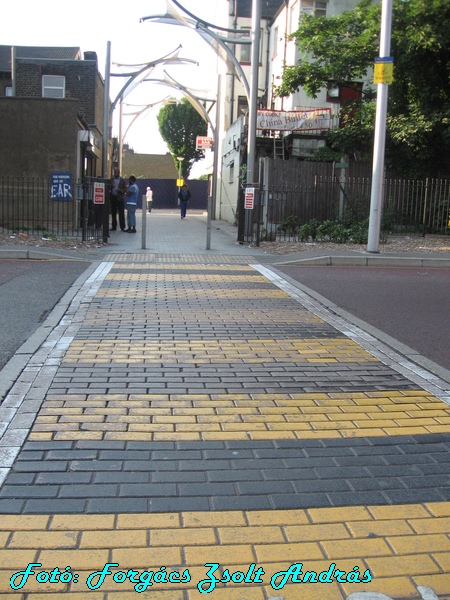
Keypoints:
(90, 24)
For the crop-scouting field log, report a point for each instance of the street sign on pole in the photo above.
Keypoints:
(249, 198)
(204, 143)
(376, 198)
(99, 193)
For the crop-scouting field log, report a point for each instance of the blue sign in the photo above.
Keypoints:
(61, 186)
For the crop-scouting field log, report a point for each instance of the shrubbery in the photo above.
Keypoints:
(330, 231)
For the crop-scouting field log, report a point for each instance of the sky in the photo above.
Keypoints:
(91, 24)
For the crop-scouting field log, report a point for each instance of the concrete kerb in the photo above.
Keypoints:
(367, 260)
(441, 374)
(15, 366)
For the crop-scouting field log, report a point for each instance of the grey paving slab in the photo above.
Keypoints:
(231, 479)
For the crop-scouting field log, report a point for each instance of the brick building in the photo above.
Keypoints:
(51, 111)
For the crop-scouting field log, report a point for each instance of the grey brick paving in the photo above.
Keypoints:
(96, 477)
(131, 477)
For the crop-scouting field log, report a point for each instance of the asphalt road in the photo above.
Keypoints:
(411, 305)
(28, 292)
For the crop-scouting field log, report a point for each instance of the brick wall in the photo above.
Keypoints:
(39, 135)
(82, 82)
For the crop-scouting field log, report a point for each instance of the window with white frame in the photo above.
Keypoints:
(275, 42)
(246, 49)
(245, 55)
(53, 86)
(231, 172)
(317, 8)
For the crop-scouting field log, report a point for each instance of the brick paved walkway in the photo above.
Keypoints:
(185, 413)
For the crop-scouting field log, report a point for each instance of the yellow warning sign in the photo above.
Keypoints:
(383, 70)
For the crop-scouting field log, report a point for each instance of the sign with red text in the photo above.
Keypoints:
(204, 143)
(99, 193)
(309, 119)
(249, 198)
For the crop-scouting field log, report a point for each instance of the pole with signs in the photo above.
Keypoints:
(252, 113)
(253, 106)
(383, 76)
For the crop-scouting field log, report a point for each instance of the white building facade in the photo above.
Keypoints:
(279, 19)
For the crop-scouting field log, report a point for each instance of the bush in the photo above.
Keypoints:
(308, 231)
(339, 233)
(291, 225)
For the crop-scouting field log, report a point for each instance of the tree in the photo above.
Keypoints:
(179, 125)
(340, 50)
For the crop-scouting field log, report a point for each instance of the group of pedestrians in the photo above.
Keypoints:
(125, 196)
(118, 193)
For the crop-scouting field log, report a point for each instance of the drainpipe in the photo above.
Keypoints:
(233, 76)
(13, 70)
(286, 5)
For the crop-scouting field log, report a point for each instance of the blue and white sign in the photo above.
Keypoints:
(61, 186)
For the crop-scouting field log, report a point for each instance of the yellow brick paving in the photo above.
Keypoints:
(190, 315)
(403, 546)
(330, 351)
(159, 417)
(391, 541)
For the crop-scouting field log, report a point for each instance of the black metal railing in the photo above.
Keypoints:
(410, 206)
(33, 206)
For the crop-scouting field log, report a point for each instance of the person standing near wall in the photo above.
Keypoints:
(184, 196)
(117, 197)
(132, 196)
(149, 198)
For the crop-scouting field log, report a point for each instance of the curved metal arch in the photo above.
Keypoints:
(171, 57)
(193, 100)
(207, 35)
(205, 23)
(137, 114)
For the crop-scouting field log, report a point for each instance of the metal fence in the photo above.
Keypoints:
(410, 206)
(31, 205)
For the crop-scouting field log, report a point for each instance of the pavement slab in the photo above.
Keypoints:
(196, 426)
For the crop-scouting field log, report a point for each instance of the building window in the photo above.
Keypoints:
(245, 55)
(275, 42)
(246, 49)
(242, 106)
(53, 86)
(317, 8)
(231, 172)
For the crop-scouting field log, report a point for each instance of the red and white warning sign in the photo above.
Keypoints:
(249, 198)
(204, 143)
(99, 193)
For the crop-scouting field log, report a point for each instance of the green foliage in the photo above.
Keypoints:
(325, 154)
(339, 233)
(340, 49)
(291, 225)
(308, 231)
(335, 50)
(179, 125)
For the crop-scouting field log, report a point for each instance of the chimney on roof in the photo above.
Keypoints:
(90, 56)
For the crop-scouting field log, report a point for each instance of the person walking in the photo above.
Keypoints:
(149, 198)
(132, 196)
(117, 198)
(184, 196)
